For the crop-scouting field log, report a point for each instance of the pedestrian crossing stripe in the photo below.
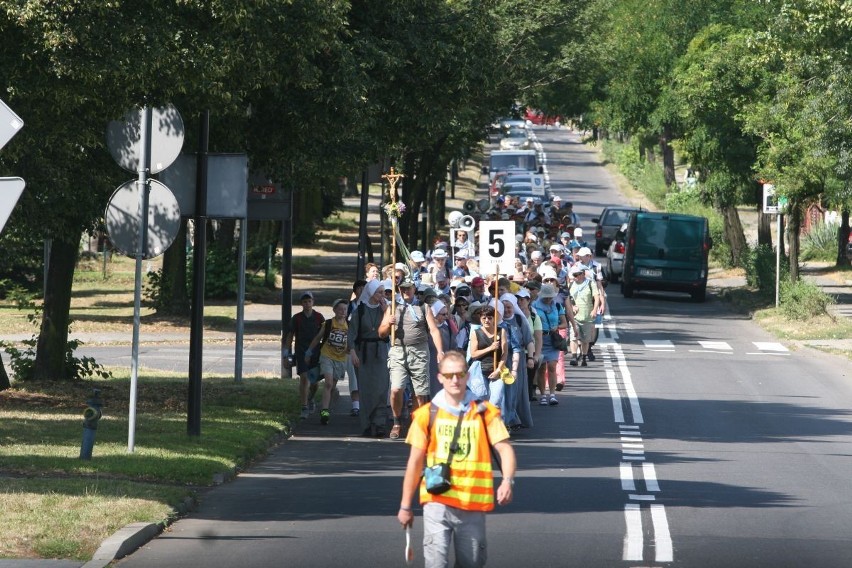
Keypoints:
(764, 347)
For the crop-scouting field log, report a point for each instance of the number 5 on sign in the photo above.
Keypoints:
(497, 247)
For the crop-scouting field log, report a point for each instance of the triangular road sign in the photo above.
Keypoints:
(10, 191)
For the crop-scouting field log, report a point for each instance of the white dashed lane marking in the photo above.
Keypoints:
(659, 344)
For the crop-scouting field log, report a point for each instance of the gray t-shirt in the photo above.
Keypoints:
(414, 329)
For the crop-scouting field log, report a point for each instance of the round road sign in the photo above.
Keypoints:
(124, 137)
(123, 219)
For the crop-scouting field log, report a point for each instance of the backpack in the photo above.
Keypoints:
(299, 318)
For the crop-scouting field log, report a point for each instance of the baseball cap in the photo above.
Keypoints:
(556, 246)
(565, 235)
(477, 281)
(417, 256)
(547, 274)
(557, 198)
(474, 306)
(578, 268)
(523, 293)
(463, 291)
(585, 251)
(547, 291)
(536, 254)
(439, 253)
(529, 200)
(339, 301)
(461, 254)
(406, 283)
(307, 296)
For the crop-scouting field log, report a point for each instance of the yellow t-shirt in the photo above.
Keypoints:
(335, 346)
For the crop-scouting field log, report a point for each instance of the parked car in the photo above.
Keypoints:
(666, 251)
(615, 256)
(607, 224)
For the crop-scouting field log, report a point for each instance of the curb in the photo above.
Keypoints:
(122, 543)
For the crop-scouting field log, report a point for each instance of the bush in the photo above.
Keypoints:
(760, 269)
(820, 243)
(803, 300)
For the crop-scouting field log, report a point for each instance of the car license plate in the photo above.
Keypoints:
(650, 272)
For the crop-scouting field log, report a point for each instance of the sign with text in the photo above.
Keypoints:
(497, 247)
(770, 200)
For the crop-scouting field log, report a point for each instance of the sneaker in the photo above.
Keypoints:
(573, 362)
(355, 412)
(312, 406)
(325, 415)
(590, 355)
(304, 414)
(583, 362)
(543, 401)
(553, 400)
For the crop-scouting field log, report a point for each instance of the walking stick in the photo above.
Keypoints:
(496, 299)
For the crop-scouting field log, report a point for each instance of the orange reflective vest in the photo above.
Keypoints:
(470, 471)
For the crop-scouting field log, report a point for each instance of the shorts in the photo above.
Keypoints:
(586, 329)
(410, 362)
(331, 367)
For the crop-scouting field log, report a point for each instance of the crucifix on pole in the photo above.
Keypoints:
(394, 210)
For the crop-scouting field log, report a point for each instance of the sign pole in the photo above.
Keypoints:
(142, 184)
(778, 262)
(496, 299)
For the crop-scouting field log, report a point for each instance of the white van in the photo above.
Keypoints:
(503, 160)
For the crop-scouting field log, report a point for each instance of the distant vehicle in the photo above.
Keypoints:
(503, 160)
(507, 124)
(607, 224)
(539, 118)
(515, 139)
(615, 256)
(666, 251)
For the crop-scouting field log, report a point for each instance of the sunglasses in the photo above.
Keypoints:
(457, 376)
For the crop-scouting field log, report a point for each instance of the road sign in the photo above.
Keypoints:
(10, 124)
(10, 191)
(538, 185)
(770, 200)
(123, 219)
(497, 247)
(227, 184)
(124, 137)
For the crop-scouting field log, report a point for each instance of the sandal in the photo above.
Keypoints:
(394, 433)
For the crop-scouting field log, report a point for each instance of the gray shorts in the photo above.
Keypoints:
(587, 332)
(410, 362)
(465, 529)
(330, 367)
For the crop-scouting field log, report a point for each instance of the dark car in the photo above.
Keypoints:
(607, 224)
(666, 251)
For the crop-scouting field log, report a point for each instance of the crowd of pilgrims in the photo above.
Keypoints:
(556, 291)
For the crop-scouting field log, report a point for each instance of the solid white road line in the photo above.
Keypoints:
(650, 475)
(662, 536)
(628, 384)
(627, 481)
(617, 411)
(635, 497)
(628, 427)
(634, 541)
(637, 446)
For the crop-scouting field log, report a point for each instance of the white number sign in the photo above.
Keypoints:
(497, 247)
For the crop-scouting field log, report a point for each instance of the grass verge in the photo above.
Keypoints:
(49, 493)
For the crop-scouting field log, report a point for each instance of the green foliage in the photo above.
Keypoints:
(645, 177)
(820, 243)
(22, 361)
(760, 269)
(802, 300)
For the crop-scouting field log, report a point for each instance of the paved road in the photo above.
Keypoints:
(695, 439)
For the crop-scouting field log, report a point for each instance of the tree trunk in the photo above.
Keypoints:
(843, 239)
(734, 235)
(4, 376)
(173, 292)
(668, 156)
(794, 225)
(53, 335)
